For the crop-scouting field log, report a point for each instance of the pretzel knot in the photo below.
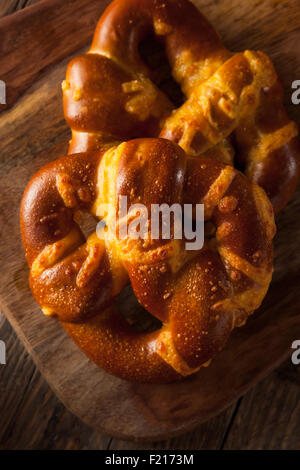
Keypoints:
(111, 93)
(199, 296)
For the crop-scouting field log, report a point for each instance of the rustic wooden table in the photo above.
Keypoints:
(268, 417)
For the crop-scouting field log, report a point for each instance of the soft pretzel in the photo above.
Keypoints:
(199, 296)
(110, 97)
(110, 94)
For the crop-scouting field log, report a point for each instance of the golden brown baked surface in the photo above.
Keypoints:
(199, 296)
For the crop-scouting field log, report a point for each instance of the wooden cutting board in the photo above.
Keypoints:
(35, 47)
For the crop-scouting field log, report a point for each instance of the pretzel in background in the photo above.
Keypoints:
(234, 102)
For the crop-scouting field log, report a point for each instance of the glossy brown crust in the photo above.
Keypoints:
(199, 296)
(109, 94)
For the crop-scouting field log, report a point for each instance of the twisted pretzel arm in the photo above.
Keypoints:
(96, 109)
(188, 37)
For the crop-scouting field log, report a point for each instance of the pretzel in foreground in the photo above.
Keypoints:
(199, 296)
(234, 102)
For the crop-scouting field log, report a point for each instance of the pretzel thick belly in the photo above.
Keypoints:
(110, 94)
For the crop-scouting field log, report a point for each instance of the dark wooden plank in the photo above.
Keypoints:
(7, 7)
(207, 436)
(269, 415)
(45, 33)
(33, 418)
(31, 415)
(267, 418)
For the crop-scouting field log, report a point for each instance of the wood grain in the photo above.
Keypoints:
(30, 412)
(250, 350)
(268, 417)
(33, 418)
(35, 33)
(7, 7)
